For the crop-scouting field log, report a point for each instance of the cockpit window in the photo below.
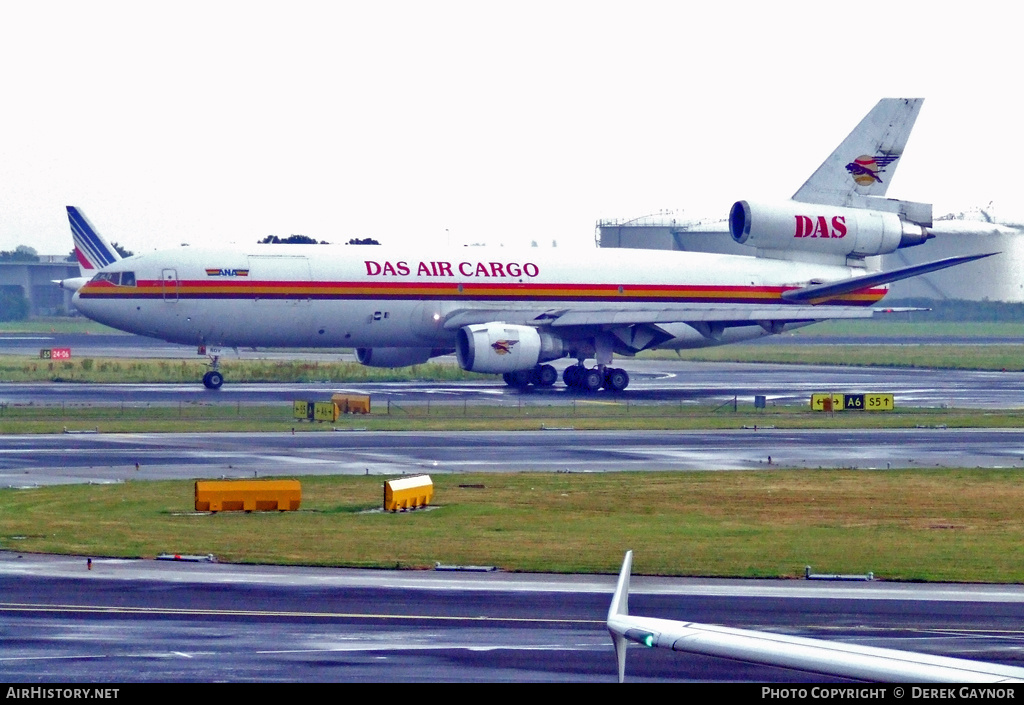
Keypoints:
(116, 278)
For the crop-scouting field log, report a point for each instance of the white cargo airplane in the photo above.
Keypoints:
(512, 313)
(866, 663)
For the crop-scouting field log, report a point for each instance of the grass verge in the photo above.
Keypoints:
(579, 415)
(949, 357)
(935, 525)
(20, 368)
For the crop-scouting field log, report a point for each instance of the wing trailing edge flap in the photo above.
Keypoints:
(752, 313)
(681, 313)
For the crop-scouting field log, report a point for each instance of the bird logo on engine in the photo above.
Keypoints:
(865, 169)
(504, 347)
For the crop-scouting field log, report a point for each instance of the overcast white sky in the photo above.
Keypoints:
(434, 121)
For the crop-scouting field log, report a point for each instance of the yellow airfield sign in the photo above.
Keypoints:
(852, 402)
(826, 402)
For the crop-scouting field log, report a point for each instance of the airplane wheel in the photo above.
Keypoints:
(591, 380)
(519, 379)
(213, 380)
(616, 380)
(522, 378)
(545, 375)
(569, 376)
(572, 375)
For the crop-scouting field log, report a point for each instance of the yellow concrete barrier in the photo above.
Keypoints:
(352, 403)
(248, 495)
(408, 493)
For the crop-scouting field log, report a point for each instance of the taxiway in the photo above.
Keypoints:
(34, 460)
(129, 621)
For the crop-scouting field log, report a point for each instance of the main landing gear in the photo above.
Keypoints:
(539, 376)
(591, 379)
(577, 377)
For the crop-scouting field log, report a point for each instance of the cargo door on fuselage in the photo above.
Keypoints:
(169, 284)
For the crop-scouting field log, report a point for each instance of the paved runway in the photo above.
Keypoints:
(32, 460)
(147, 620)
(651, 381)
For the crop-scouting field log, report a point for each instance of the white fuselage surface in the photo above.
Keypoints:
(375, 296)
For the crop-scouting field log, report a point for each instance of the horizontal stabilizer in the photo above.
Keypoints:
(826, 291)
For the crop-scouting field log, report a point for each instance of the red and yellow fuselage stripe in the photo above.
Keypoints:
(449, 291)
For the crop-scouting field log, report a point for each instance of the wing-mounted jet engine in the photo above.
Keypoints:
(395, 357)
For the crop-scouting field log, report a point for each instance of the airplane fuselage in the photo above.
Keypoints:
(375, 296)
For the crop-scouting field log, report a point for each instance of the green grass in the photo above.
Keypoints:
(61, 324)
(943, 525)
(21, 368)
(581, 415)
(895, 326)
(959, 357)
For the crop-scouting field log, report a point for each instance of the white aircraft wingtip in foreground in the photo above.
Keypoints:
(832, 658)
(513, 313)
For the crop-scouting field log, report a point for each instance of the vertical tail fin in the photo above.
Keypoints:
(92, 251)
(620, 607)
(866, 160)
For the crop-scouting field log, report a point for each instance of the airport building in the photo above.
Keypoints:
(999, 278)
(35, 281)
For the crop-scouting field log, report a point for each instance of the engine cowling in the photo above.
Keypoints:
(394, 357)
(830, 230)
(499, 347)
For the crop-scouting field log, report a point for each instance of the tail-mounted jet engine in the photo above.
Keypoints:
(828, 230)
(498, 347)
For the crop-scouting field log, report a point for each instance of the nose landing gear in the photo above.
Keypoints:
(213, 379)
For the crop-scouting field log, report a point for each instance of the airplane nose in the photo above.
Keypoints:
(78, 303)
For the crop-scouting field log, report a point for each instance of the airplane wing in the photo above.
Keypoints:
(625, 315)
(797, 305)
(810, 655)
